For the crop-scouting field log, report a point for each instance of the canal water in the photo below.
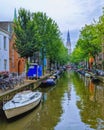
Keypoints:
(74, 103)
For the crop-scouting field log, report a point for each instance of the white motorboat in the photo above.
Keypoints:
(21, 103)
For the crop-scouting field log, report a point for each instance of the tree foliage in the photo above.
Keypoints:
(90, 40)
(38, 32)
(25, 42)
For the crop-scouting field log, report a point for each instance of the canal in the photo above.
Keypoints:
(74, 103)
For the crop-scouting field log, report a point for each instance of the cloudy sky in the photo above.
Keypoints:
(70, 15)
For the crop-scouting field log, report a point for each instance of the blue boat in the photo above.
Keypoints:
(48, 82)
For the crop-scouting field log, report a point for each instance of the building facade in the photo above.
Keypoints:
(15, 64)
(4, 50)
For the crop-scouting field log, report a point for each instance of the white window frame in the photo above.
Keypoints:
(5, 46)
(5, 64)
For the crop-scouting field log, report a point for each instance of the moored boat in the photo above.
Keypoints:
(48, 82)
(87, 75)
(21, 103)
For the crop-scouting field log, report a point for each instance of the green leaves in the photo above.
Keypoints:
(35, 32)
(89, 42)
(24, 42)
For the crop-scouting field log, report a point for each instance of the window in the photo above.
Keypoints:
(5, 64)
(5, 43)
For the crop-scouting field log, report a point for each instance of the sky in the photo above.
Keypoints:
(70, 15)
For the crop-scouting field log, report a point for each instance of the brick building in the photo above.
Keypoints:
(16, 64)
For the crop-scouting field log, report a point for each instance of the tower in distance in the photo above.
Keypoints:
(68, 43)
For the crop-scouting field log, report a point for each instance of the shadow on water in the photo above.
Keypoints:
(74, 103)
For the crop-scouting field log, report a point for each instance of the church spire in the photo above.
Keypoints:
(68, 37)
(68, 43)
(15, 14)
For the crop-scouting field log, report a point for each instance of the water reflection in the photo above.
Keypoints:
(19, 123)
(75, 103)
(91, 102)
(91, 88)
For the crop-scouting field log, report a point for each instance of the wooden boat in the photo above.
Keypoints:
(21, 103)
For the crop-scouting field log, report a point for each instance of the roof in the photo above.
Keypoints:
(4, 31)
(7, 26)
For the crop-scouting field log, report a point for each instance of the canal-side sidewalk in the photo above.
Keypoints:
(28, 84)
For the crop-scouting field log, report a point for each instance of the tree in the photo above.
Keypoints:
(25, 42)
(77, 55)
(46, 34)
(100, 29)
(89, 40)
(37, 32)
(57, 53)
(88, 44)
